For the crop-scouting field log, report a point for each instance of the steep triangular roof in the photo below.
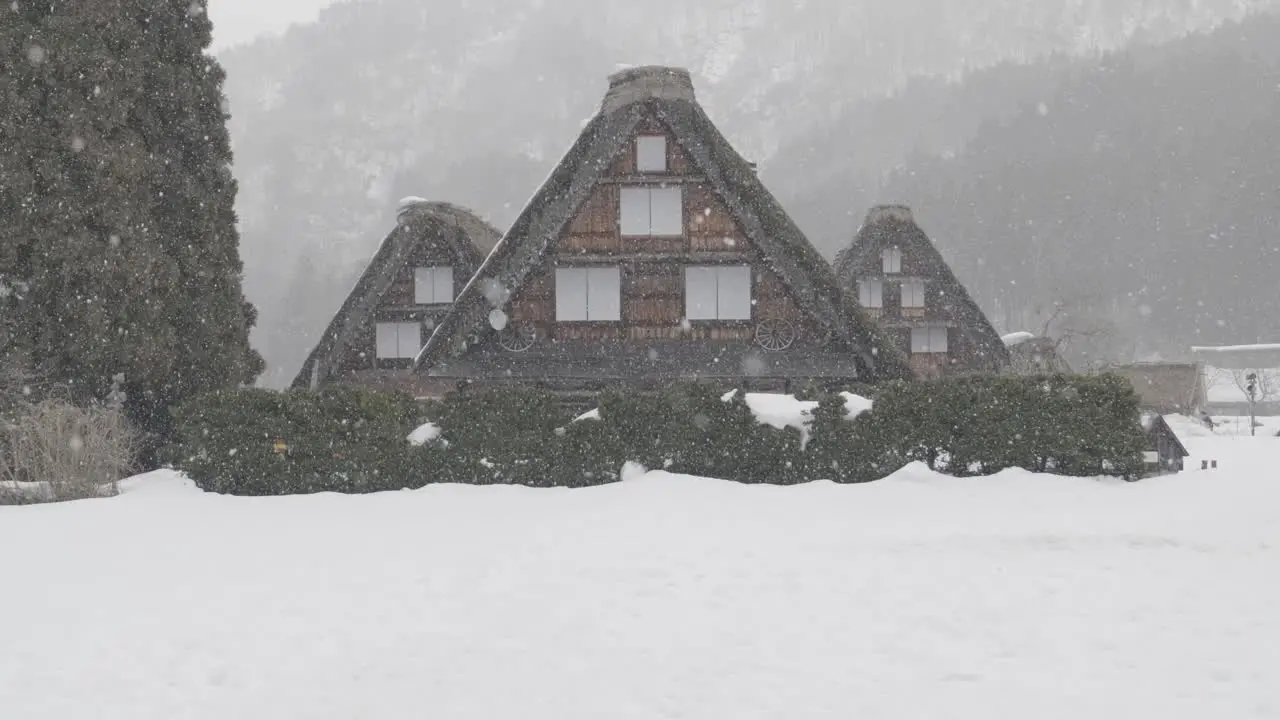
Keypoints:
(468, 237)
(667, 95)
(895, 225)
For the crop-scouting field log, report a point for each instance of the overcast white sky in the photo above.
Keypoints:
(237, 21)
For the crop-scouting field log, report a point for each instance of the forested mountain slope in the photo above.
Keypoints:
(1137, 197)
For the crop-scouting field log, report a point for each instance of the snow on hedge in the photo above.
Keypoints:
(424, 434)
(920, 596)
(779, 411)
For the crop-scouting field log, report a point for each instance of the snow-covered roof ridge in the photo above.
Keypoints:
(648, 82)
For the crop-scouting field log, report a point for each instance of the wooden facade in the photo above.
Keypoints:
(906, 285)
(653, 253)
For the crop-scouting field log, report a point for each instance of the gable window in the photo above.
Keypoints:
(717, 292)
(588, 294)
(929, 340)
(651, 153)
(871, 293)
(398, 341)
(891, 260)
(913, 293)
(647, 211)
(432, 285)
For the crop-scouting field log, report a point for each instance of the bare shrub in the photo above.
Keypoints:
(54, 451)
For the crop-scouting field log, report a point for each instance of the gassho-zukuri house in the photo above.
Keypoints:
(653, 253)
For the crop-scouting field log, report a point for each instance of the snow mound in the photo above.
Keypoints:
(1017, 338)
(424, 434)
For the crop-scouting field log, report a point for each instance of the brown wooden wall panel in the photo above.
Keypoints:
(588, 331)
(599, 214)
(533, 310)
(582, 243)
(653, 244)
(778, 307)
(656, 332)
(706, 215)
(401, 292)
(929, 364)
(715, 243)
(539, 285)
(653, 280)
(700, 331)
(769, 285)
(652, 311)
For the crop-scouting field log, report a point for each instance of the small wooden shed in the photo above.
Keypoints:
(1165, 453)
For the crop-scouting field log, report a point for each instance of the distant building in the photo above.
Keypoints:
(905, 284)
(1226, 369)
(1030, 354)
(1166, 387)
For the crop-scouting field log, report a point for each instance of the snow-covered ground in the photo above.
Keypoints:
(661, 597)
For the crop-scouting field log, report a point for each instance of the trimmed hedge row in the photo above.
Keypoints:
(255, 442)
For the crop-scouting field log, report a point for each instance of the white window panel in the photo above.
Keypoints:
(717, 292)
(666, 211)
(871, 293)
(571, 294)
(398, 341)
(938, 340)
(604, 294)
(388, 341)
(433, 285)
(891, 259)
(633, 211)
(644, 211)
(410, 340)
(913, 293)
(651, 153)
(442, 284)
(700, 294)
(929, 340)
(733, 291)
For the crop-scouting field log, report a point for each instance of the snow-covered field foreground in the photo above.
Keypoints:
(661, 597)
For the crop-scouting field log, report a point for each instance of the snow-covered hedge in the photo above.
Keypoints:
(260, 443)
(1066, 424)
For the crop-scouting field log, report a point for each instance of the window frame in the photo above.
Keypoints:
(891, 260)
(718, 272)
(433, 273)
(649, 142)
(606, 311)
(626, 229)
(920, 292)
(401, 327)
(934, 336)
(871, 293)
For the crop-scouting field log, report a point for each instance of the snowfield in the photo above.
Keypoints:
(920, 596)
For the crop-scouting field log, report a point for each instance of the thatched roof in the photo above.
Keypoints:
(895, 225)
(468, 237)
(666, 94)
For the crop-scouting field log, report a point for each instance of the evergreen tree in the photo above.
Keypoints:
(117, 195)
